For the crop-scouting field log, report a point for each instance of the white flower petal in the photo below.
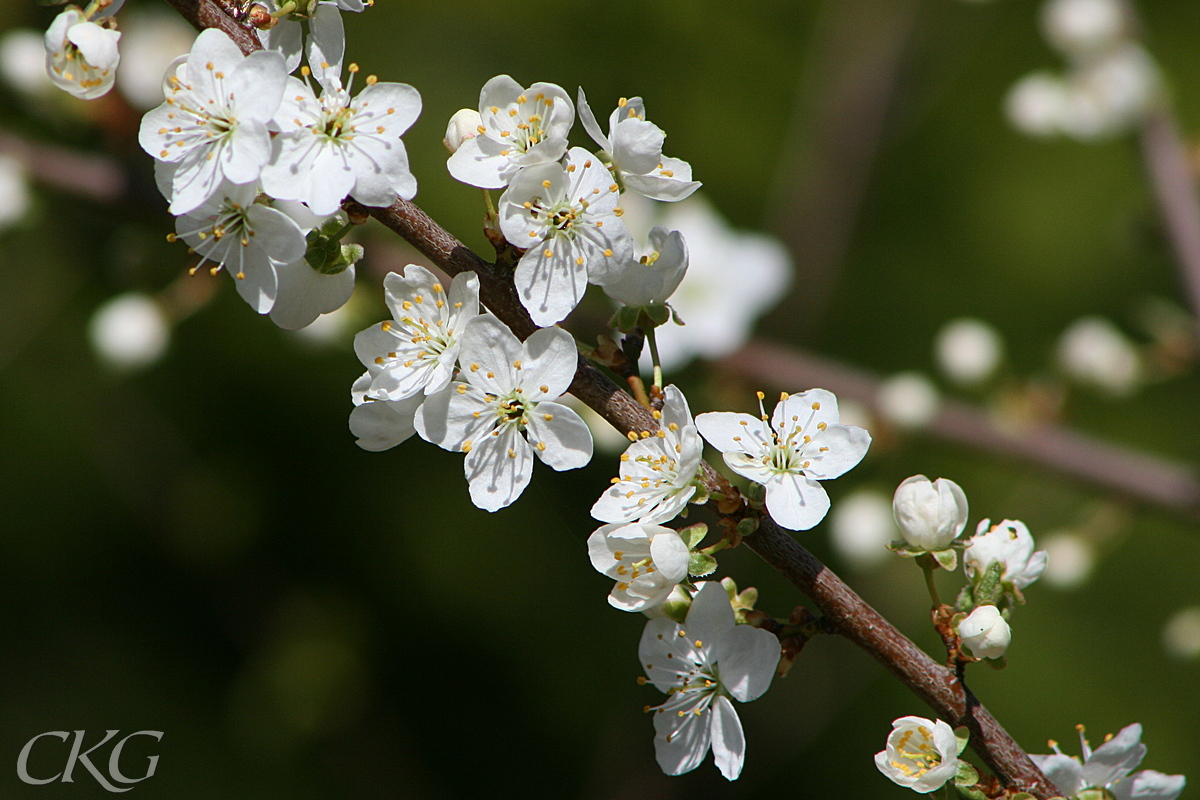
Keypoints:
(382, 424)
(728, 741)
(796, 502)
(498, 469)
(563, 441)
(747, 657)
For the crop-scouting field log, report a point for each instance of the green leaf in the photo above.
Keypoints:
(946, 559)
(627, 318)
(963, 736)
(700, 565)
(966, 775)
(747, 525)
(658, 314)
(694, 534)
(971, 792)
(988, 588)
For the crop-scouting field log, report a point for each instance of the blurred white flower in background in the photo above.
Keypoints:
(1181, 634)
(14, 191)
(129, 332)
(734, 276)
(1079, 27)
(1071, 559)
(1037, 103)
(861, 527)
(968, 350)
(151, 40)
(1094, 352)
(23, 61)
(908, 400)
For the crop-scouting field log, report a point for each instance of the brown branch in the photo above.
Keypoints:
(1171, 176)
(856, 620)
(1127, 472)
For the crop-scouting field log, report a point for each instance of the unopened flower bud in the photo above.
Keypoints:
(931, 514)
(985, 633)
(465, 124)
(261, 18)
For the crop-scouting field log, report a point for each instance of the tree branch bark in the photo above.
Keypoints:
(855, 619)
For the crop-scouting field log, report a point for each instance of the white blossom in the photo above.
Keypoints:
(647, 562)
(503, 412)
(654, 273)
(657, 474)
(700, 665)
(213, 125)
(565, 216)
(985, 633)
(339, 144)
(81, 55)
(1109, 767)
(249, 239)
(930, 514)
(921, 754)
(1009, 543)
(803, 444)
(415, 352)
(519, 128)
(968, 350)
(634, 147)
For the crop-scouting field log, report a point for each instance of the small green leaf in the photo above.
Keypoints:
(627, 318)
(946, 559)
(963, 736)
(700, 565)
(657, 314)
(747, 526)
(966, 775)
(694, 534)
(988, 588)
(970, 792)
(966, 600)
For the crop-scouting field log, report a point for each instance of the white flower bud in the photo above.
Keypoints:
(931, 514)
(968, 350)
(985, 633)
(463, 125)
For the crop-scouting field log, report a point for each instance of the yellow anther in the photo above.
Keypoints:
(462, 388)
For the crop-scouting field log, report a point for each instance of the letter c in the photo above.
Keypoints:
(23, 759)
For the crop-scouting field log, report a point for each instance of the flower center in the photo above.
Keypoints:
(527, 120)
(921, 755)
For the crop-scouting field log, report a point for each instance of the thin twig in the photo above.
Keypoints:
(855, 619)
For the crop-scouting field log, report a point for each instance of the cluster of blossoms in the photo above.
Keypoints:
(256, 164)
(1110, 81)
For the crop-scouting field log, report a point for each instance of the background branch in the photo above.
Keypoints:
(1128, 472)
(856, 620)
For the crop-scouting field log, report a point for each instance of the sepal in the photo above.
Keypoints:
(701, 564)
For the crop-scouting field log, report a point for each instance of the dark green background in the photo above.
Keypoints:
(201, 549)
